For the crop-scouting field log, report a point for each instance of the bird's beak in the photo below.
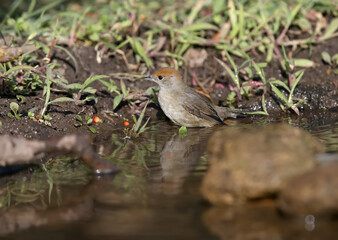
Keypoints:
(150, 78)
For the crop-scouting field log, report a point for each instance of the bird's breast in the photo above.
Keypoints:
(173, 107)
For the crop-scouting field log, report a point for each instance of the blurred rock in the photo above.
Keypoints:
(314, 192)
(254, 163)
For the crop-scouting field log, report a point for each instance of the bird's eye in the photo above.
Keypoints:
(160, 77)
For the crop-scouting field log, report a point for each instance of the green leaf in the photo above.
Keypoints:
(92, 79)
(259, 71)
(21, 98)
(111, 87)
(117, 100)
(93, 130)
(14, 107)
(264, 105)
(90, 98)
(217, 7)
(304, 24)
(335, 59)
(233, 18)
(280, 83)
(21, 67)
(47, 117)
(61, 99)
(295, 109)
(326, 58)
(183, 131)
(279, 93)
(43, 9)
(302, 62)
(231, 73)
(138, 48)
(74, 86)
(194, 12)
(88, 119)
(331, 29)
(300, 75)
(139, 120)
(78, 118)
(198, 27)
(294, 13)
(77, 124)
(143, 128)
(123, 89)
(231, 61)
(90, 90)
(30, 114)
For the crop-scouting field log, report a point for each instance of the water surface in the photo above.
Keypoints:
(155, 196)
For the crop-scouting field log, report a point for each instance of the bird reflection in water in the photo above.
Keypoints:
(180, 156)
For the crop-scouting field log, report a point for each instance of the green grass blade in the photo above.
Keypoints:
(259, 71)
(93, 79)
(139, 120)
(300, 75)
(279, 93)
(231, 73)
(198, 27)
(117, 100)
(44, 8)
(143, 128)
(294, 13)
(194, 12)
(280, 83)
(138, 48)
(21, 67)
(231, 61)
(123, 89)
(14, 6)
(61, 99)
(330, 30)
(70, 55)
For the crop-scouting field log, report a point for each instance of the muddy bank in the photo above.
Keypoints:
(318, 87)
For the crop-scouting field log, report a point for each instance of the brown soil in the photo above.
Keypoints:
(317, 86)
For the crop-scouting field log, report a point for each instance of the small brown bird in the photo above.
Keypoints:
(182, 105)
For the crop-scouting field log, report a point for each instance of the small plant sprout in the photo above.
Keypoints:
(78, 90)
(183, 131)
(290, 100)
(87, 121)
(121, 95)
(111, 87)
(15, 111)
(137, 129)
(331, 61)
(46, 92)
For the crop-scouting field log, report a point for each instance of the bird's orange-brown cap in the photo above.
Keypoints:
(167, 72)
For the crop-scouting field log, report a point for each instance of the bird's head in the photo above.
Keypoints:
(167, 78)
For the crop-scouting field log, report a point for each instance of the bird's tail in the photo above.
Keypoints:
(224, 112)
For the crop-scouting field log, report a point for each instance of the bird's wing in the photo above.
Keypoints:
(196, 105)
